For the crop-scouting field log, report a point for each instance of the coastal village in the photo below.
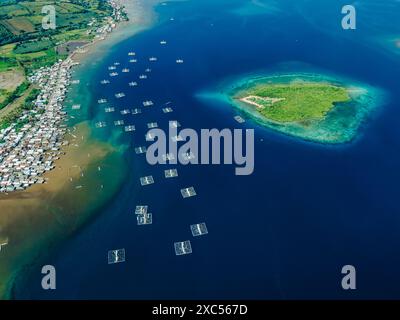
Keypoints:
(30, 150)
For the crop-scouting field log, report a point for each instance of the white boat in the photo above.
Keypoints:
(125, 70)
(113, 74)
(179, 61)
(152, 59)
(131, 53)
(105, 81)
(133, 84)
(163, 42)
(133, 61)
(142, 76)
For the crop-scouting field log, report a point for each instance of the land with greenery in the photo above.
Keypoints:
(25, 46)
(294, 102)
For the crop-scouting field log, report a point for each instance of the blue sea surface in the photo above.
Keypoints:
(284, 232)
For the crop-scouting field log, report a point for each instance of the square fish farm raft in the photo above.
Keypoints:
(144, 219)
(167, 110)
(144, 181)
(152, 125)
(116, 256)
(141, 209)
(198, 229)
(183, 247)
(171, 173)
(140, 150)
(188, 192)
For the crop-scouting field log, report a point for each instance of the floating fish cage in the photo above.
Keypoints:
(144, 181)
(177, 138)
(76, 107)
(168, 156)
(141, 209)
(130, 128)
(140, 150)
(105, 81)
(100, 101)
(118, 123)
(167, 110)
(149, 137)
(188, 192)
(198, 229)
(116, 256)
(174, 124)
(144, 219)
(125, 112)
(133, 60)
(131, 53)
(125, 70)
(136, 111)
(148, 103)
(120, 95)
(113, 74)
(239, 119)
(133, 84)
(171, 173)
(152, 125)
(183, 247)
(187, 156)
(110, 109)
(100, 124)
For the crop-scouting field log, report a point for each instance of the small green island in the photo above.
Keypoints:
(295, 102)
(313, 107)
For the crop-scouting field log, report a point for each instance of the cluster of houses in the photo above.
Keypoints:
(111, 22)
(29, 151)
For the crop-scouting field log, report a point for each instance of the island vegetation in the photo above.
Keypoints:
(294, 102)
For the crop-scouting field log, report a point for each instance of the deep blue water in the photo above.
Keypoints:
(286, 230)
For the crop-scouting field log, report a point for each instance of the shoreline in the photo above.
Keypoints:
(59, 207)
